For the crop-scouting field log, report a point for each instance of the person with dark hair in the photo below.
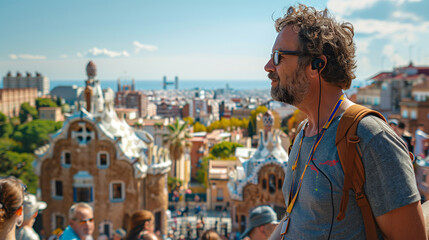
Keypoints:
(312, 62)
(11, 209)
(31, 210)
(406, 136)
(210, 235)
(141, 225)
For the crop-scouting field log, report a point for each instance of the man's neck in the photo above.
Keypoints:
(317, 117)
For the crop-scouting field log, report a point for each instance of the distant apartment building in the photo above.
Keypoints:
(128, 97)
(51, 113)
(70, 94)
(11, 99)
(218, 197)
(168, 109)
(200, 148)
(389, 88)
(27, 81)
(415, 110)
(204, 111)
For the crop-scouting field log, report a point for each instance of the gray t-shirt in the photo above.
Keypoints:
(390, 182)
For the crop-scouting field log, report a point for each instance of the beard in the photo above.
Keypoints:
(295, 90)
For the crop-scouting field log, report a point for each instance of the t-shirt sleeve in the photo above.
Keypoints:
(390, 180)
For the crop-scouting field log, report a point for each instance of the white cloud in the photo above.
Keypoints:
(95, 52)
(79, 54)
(406, 16)
(390, 52)
(342, 8)
(64, 56)
(140, 46)
(26, 57)
(392, 29)
(347, 7)
(362, 45)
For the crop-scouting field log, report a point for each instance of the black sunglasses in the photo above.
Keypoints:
(276, 56)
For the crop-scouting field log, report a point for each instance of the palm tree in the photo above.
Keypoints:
(177, 141)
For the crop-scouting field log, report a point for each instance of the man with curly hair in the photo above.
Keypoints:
(312, 62)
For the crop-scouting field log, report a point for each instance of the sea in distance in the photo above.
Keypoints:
(183, 84)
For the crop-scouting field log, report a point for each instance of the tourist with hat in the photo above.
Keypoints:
(31, 209)
(262, 222)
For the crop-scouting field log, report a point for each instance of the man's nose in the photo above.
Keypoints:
(269, 67)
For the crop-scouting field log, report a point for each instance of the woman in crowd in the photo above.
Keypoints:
(11, 209)
(142, 223)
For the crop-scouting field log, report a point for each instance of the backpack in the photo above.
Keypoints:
(350, 156)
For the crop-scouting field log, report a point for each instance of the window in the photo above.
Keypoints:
(117, 191)
(404, 114)
(272, 184)
(424, 176)
(264, 184)
(242, 223)
(413, 114)
(66, 159)
(106, 228)
(59, 221)
(219, 196)
(158, 219)
(57, 190)
(103, 160)
(82, 194)
(280, 184)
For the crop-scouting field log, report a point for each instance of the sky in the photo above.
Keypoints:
(192, 39)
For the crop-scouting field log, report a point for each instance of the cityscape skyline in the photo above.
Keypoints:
(194, 40)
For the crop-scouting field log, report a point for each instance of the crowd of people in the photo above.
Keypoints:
(19, 209)
(312, 63)
(418, 143)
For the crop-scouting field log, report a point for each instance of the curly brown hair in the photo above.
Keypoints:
(319, 34)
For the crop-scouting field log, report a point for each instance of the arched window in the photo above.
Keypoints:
(57, 189)
(59, 221)
(272, 184)
(117, 191)
(279, 184)
(264, 184)
(66, 159)
(103, 160)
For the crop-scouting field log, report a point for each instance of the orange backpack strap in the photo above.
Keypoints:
(354, 172)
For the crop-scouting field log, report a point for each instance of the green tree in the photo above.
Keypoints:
(252, 120)
(190, 120)
(177, 140)
(202, 171)
(27, 110)
(198, 127)
(224, 150)
(17, 164)
(6, 127)
(45, 102)
(35, 133)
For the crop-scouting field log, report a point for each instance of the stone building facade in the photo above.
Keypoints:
(99, 159)
(259, 180)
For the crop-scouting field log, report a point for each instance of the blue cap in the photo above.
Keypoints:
(259, 216)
